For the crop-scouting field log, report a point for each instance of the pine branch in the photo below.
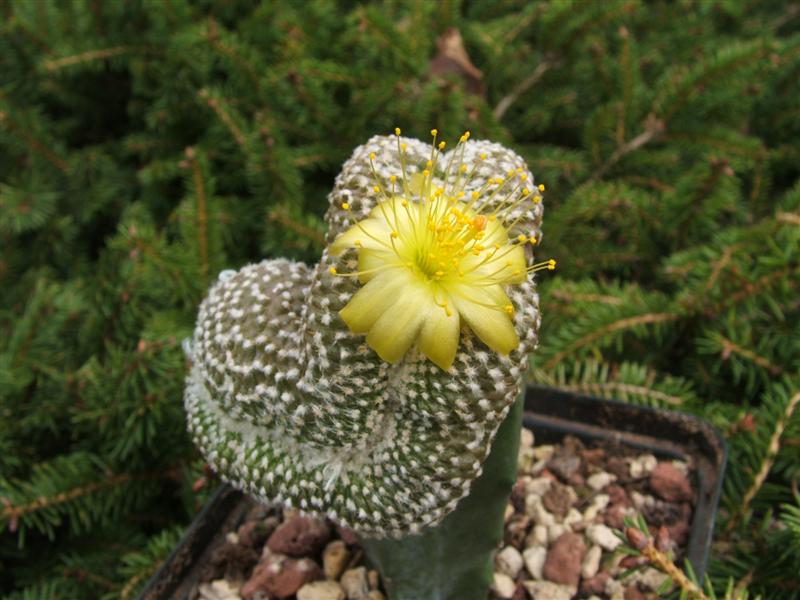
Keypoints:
(609, 328)
(643, 543)
(34, 144)
(224, 115)
(202, 211)
(729, 347)
(766, 464)
(628, 382)
(219, 39)
(55, 64)
(653, 128)
(523, 86)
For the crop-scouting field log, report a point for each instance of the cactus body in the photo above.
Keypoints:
(290, 406)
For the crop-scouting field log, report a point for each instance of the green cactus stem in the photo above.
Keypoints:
(453, 560)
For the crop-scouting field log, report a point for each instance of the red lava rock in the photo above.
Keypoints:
(520, 593)
(300, 536)
(595, 586)
(558, 500)
(347, 535)
(669, 483)
(231, 561)
(633, 593)
(563, 563)
(614, 516)
(593, 454)
(549, 475)
(618, 495)
(618, 466)
(255, 533)
(564, 465)
(576, 480)
(280, 578)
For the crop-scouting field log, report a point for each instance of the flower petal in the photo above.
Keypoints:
(439, 336)
(482, 310)
(371, 301)
(372, 263)
(370, 233)
(397, 328)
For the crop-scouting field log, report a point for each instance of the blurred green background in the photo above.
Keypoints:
(145, 145)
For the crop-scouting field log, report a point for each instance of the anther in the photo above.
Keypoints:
(397, 131)
(541, 187)
(346, 205)
(332, 270)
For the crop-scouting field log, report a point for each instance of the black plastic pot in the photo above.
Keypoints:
(549, 414)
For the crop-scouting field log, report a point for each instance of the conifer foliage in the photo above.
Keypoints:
(147, 145)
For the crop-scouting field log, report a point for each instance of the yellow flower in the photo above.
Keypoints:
(433, 259)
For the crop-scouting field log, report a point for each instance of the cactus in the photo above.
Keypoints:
(369, 387)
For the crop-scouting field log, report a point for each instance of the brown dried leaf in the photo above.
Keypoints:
(452, 59)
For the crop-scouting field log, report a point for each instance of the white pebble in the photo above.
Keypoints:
(538, 486)
(598, 505)
(543, 452)
(526, 438)
(555, 531)
(649, 578)
(638, 500)
(503, 586)
(615, 590)
(600, 480)
(603, 536)
(218, 590)
(642, 465)
(509, 561)
(546, 590)
(534, 560)
(591, 562)
(321, 590)
(536, 511)
(681, 466)
(573, 517)
(537, 536)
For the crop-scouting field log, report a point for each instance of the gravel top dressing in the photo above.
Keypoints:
(559, 534)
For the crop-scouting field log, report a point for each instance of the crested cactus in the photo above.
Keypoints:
(369, 387)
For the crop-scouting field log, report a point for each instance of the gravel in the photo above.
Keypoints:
(559, 544)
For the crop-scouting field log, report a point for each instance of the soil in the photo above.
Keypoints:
(559, 543)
